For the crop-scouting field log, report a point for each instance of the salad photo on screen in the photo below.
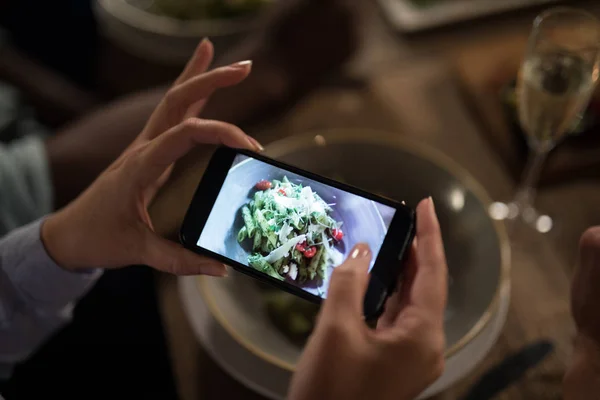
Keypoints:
(290, 227)
(291, 232)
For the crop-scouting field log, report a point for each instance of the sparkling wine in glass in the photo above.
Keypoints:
(554, 88)
(556, 81)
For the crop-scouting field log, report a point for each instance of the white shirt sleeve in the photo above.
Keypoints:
(36, 295)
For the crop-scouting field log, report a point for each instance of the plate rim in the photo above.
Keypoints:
(373, 136)
(191, 299)
(410, 18)
(146, 21)
(184, 288)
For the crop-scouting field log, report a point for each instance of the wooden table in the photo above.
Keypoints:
(418, 97)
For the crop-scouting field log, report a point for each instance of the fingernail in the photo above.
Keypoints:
(204, 42)
(242, 64)
(431, 205)
(256, 144)
(219, 270)
(360, 251)
(251, 144)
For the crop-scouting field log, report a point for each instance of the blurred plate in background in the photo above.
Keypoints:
(165, 39)
(416, 15)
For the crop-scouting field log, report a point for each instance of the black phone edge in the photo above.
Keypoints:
(282, 285)
(404, 251)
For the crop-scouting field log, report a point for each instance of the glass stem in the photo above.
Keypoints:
(526, 190)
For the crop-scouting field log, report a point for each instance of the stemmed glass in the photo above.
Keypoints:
(555, 83)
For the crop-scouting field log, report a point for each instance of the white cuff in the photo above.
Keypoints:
(39, 280)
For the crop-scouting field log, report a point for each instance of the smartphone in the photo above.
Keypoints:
(291, 228)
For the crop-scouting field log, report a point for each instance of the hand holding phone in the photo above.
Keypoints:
(291, 228)
(405, 353)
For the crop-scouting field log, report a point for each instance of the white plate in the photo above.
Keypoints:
(164, 39)
(272, 381)
(477, 249)
(406, 17)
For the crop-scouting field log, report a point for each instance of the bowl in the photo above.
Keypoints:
(361, 218)
(477, 247)
(164, 39)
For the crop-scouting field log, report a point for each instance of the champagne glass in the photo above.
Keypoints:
(555, 83)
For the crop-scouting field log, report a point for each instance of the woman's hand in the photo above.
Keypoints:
(582, 380)
(108, 226)
(585, 289)
(192, 89)
(344, 359)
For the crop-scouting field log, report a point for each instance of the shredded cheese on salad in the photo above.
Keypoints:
(292, 234)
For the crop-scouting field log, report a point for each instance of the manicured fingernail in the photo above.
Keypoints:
(219, 270)
(431, 205)
(242, 64)
(204, 42)
(256, 144)
(251, 144)
(360, 251)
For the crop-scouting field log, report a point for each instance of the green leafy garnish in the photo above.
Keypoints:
(290, 229)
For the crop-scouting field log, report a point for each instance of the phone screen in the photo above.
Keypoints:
(288, 226)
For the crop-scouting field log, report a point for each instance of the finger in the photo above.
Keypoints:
(346, 293)
(195, 109)
(429, 289)
(167, 256)
(199, 63)
(156, 186)
(174, 144)
(201, 86)
(407, 281)
(401, 298)
(256, 143)
(584, 288)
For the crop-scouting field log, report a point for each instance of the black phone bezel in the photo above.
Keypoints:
(387, 266)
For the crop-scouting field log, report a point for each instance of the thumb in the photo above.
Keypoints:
(170, 257)
(348, 286)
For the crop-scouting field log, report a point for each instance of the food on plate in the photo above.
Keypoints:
(291, 232)
(291, 315)
(200, 9)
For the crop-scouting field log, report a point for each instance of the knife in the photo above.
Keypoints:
(509, 371)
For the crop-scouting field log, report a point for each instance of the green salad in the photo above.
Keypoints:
(291, 315)
(291, 232)
(199, 9)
